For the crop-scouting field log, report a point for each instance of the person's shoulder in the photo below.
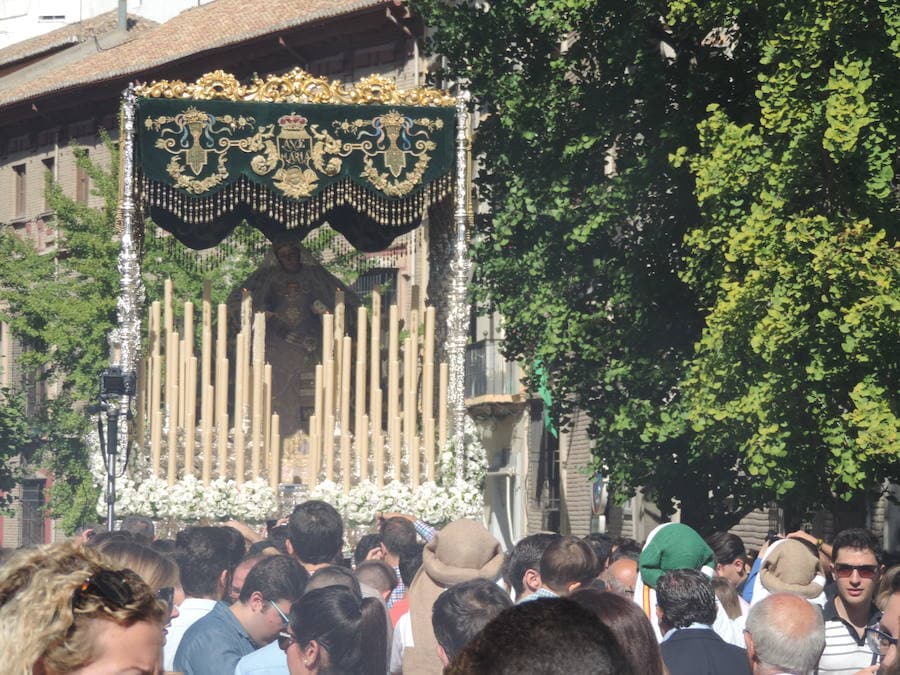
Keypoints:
(267, 660)
(685, 634)
(212, 622)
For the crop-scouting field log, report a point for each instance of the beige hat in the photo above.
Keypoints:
(792, 568)
(463, 550)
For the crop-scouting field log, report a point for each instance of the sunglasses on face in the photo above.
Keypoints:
(879, 641)
(285, 640)
(843, 570)
(167, 595)
(109, 585)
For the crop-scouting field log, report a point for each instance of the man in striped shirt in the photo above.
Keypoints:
(857, 570)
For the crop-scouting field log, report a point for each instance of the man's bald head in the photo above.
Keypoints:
(621, 575)
(784, 634)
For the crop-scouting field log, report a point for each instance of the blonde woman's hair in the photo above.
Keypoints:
(886, 586)
(47, 616)
(728, 596)
(153, 567)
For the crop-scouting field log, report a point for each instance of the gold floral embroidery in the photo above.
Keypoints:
(295, 153)
(196, 135)
(393, 138)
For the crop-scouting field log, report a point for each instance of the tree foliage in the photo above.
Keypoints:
(62, 307)
(642, 170)
(16, 440)
(796, 255)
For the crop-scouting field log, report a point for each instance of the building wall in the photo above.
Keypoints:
(38, 154)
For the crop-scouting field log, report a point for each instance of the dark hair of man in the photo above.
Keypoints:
(352, 631)
(275, 577)
(549, 636)
(601, 545)
(278, 535)
(858, 539)
(237, 546)
(377, 574)
(398, 535)
(333, 575)
(202, 555)
(566, 561)
(686, 596)
(263, 547)
(365, 544)
(526, 555)
(460, 612)
(410, 562)
(625, 547)
(165, 547)
(316, 532)
(141, 527)
(116, 535)
(726, 547)
(630, 626)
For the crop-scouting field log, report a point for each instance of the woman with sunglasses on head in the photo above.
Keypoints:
(64, 610)
(332, 632)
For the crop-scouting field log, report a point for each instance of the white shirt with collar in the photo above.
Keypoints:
(189, 611)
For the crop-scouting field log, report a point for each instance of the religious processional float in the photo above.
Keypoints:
(375, 418)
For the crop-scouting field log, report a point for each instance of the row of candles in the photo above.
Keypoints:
(176, 385)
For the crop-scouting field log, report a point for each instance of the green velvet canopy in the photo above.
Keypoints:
(370, 170)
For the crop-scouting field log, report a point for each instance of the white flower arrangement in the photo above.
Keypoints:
(457, 493)
(435, 502)
(188, 499)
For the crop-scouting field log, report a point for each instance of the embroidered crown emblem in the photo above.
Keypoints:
(292, 122)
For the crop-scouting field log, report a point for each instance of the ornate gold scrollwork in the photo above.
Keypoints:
(393, 138)
(196, 135)
(295, 153)
(296, 86)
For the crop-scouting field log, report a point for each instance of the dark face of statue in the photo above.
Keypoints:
(289, 257)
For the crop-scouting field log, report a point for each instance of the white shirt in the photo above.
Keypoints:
(403, 638)
(190, 610)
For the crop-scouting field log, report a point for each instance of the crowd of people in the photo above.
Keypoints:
(217, 600)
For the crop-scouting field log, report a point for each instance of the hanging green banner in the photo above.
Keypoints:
(294, 151)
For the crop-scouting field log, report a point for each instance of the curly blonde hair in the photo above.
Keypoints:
(38, 614)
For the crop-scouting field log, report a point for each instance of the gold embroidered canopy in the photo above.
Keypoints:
(290, 151)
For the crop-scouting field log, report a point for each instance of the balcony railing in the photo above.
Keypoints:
(488, 373)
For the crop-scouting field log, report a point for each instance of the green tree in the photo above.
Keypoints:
(63, 307)
(16, 441)
(796, 253)
(594, 249)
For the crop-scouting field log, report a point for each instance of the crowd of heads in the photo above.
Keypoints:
(417, 600)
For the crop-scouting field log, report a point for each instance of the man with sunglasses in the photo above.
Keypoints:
(857, 570)
(215, 643)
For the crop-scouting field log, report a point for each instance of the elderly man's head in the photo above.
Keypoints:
(784, 634)
(621, 576)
